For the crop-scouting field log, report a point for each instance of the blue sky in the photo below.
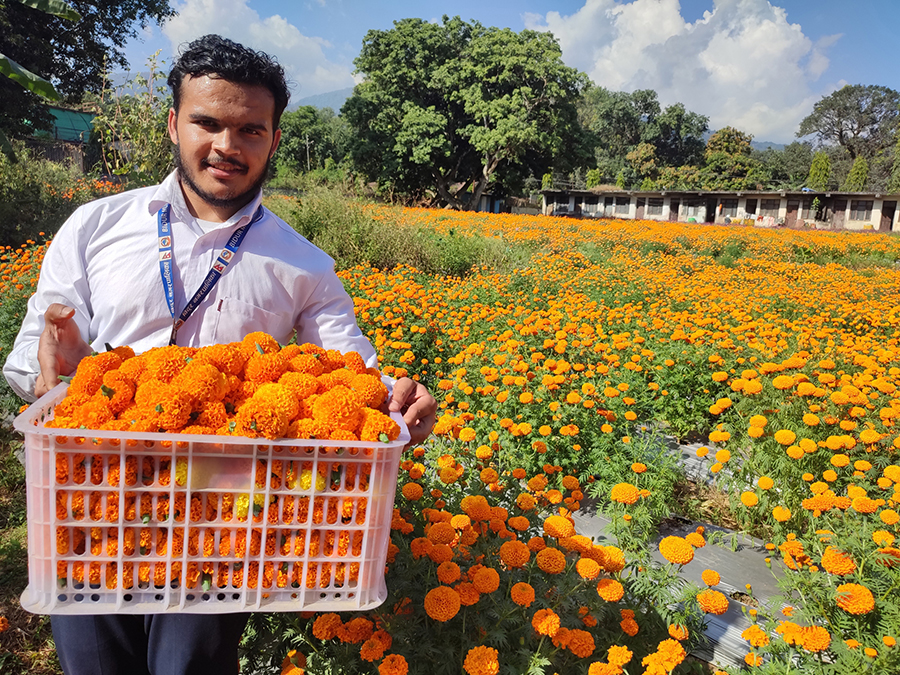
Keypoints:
(758, 65)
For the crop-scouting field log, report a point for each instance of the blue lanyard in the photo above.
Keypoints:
(220, 266)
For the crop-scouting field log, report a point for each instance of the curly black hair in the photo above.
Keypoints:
(213, 54)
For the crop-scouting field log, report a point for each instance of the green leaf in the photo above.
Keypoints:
(65, 378)
(206, 584)
(27, 79)
(54, 7)
(145, 518)
(259, 348)
(108, 392)
(7, 148)
(383, 437)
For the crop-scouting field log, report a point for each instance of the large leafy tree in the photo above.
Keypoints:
(861, 119)
(448, 108)
(72, 55)
(621, 123)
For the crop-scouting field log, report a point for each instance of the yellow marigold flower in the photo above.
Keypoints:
(514, 553)
(619, 656)
(810, 420)
(855, 599)
(676, 550)
(785, 436)
(882, 537)
(783, 382)
(442, 603)
(889, 641)
(545, 622)
(712, 602)
(551, 560)
(522, 594)
(486, 580)
(624, 493)
(756, 636)
(749, 499)
(481, 660)
(610, 590)
(889, 516)
(558, 527)
(765, 483)
(710, 577)
(781, 514)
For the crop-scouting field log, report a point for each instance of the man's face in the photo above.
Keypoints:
(224, 139)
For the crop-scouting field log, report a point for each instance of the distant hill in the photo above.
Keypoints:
(762, 145)
(330, 99)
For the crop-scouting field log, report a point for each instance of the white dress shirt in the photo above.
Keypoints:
(104, 262)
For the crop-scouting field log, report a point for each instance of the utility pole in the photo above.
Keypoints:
(306, 136)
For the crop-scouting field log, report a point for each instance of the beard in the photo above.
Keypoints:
(231, 201)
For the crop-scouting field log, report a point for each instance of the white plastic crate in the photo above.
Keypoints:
(149, 523)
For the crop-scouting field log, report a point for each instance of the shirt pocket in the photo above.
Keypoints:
(236, 318)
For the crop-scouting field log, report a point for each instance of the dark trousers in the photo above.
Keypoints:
(152, 644)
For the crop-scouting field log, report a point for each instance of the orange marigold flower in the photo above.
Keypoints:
(580, 643)
(619, 656)
(294, 663)
(815, 638)
(442, 533)
(326, 626)
(667, 656)
(442, 603)
(889, 516)
(448, 572)
(522, 594)
(613, 559)
(712, 602)
(610, 590)
(855, 599)
(624, 493)
(785, 436)
(781, 514)
(587, 568)
(467, 594)
(749, 499)
(412, 491)
(486, 580)
(837, 562)
(756, 636)
(676, 550)
(558, 527)
(482, 660)
(678, 631)
(545, 622)
(695, 539)
(514, 553)
(476, 507)
(393, 664)
(711, 577)
(551, 560)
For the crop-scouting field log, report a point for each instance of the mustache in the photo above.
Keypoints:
(222, 163)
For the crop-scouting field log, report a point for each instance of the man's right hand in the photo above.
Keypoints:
(60, 349)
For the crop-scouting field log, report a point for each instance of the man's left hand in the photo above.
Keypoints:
(418, 407)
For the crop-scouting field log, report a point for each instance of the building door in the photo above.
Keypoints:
(790, 219)
(840, 208)
(640, 208)
(711, 204)
(887, 216)
(674, 205)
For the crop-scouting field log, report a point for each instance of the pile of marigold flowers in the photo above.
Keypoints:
(152, 506)
(254, 388)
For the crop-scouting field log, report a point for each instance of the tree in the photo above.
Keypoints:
(445, 109)
(860, 118)
(729, 164)
(309, 137)
(858, 176)
(819, 172)
(619, 122)
(71, 55)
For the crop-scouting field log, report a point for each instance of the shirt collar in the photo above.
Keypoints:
(169, 192)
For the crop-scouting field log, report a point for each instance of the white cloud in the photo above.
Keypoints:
(308, 69)
(743, 64)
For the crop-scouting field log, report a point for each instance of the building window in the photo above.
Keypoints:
(769, 207)
(751, 207)
(729, 208)
(591, 205)
(623, 204)
(692, 208)
(861, 209)
(654, 207)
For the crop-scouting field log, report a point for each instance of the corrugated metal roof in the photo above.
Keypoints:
(71, 125)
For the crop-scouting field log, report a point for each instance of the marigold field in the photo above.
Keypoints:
(557, 382)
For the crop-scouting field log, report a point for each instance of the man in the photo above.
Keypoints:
(121, 270)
